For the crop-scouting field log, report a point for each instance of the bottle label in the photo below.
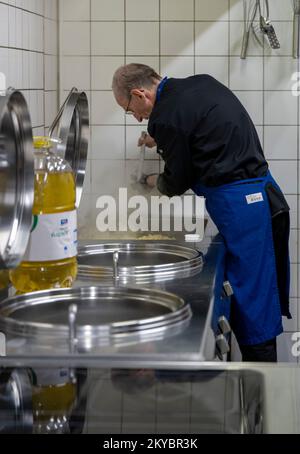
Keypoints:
(50, 377)
(53, 237)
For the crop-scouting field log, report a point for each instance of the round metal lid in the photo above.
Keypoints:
(138, 262)
(103, 315)
(73, 132)
(16, 178)
(15, 402)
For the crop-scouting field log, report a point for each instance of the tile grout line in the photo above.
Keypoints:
(249, 56)
(194, 33)
(91, 91)
(44, 68)
(263, 95)
(298, 215)
(58, 62)
(159, 36)
(23, 9)
(228, 62)
(159, 62)
(125, 61)
(167, 21)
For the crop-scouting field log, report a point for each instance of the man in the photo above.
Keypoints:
(209, 144)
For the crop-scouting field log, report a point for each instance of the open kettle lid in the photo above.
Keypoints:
(16, 177)
(72, 123)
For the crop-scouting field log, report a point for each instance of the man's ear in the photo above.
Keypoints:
(139, 92)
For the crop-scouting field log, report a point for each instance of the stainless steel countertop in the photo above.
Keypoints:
(180, 360)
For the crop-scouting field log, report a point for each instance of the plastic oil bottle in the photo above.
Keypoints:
(50, 260)
(53, 397)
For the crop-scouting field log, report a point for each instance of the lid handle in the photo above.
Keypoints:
(116, 265)
(73, 341)
(60, 112)
(72, 328)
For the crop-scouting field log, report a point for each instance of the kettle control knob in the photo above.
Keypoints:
(227, 288)
(224, 325)
(222, 344)
(2, 344)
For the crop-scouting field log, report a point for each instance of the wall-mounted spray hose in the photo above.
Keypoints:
(250, 9)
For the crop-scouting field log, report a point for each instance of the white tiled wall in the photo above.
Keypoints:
(180, 38)
(29, 55)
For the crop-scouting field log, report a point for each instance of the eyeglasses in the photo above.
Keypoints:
(127, 111)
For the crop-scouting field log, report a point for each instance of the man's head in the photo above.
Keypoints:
(134, 87)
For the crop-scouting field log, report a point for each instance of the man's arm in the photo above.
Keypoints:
(177, 176)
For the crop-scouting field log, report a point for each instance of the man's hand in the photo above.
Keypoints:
(147, 140)
(151, 181)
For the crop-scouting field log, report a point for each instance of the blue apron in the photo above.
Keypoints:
(242, 215)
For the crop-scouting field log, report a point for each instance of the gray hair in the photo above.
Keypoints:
(134, 75)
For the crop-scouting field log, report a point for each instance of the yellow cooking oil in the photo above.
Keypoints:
(4, 279)
(51, 257)
(53, 402)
